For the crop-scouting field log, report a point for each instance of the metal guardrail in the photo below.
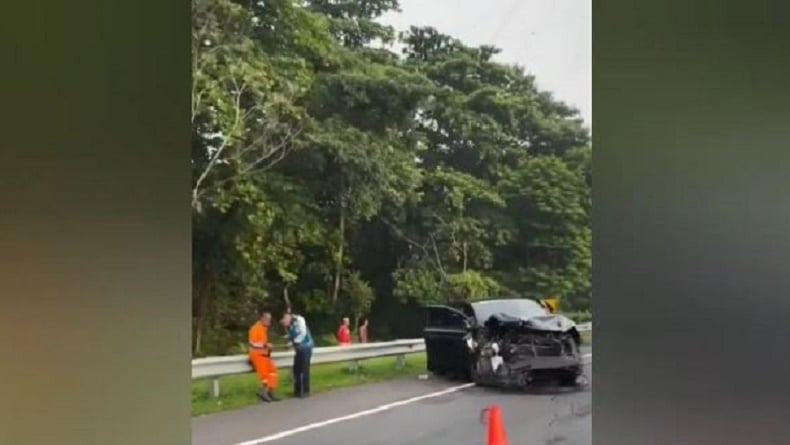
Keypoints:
(239, 364)
(215, 367)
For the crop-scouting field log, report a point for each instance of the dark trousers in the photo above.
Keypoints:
(301, 371)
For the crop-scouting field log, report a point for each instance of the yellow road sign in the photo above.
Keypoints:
(552, 304)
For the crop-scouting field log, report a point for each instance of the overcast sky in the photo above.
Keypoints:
(552, 39)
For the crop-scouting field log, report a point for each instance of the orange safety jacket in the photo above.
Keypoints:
(258, 339)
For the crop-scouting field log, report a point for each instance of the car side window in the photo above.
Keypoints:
(442, 317)
(469, 312)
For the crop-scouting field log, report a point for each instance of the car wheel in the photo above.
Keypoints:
(457, 375)
(472, 373)
(570, 378)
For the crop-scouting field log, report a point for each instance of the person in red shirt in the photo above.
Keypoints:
(344, 332)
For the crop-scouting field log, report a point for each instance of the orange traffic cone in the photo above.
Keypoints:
(496, 426)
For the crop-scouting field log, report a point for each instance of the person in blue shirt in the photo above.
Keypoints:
(302, 341)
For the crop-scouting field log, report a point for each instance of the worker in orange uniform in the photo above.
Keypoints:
(260, 353)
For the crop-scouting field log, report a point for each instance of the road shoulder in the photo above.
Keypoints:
(239, 425)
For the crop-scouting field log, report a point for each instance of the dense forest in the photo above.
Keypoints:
(343, 169)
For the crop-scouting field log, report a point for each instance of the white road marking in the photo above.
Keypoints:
(364, 413)
(355, 415)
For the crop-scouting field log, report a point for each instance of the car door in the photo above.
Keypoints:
(446, 334)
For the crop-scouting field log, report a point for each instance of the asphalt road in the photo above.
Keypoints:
(408, 412)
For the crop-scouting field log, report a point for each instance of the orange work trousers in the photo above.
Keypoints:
(266, 370)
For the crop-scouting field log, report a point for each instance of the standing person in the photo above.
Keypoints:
(302, 342)
(344, 332)
(260, 354)
(363, 331)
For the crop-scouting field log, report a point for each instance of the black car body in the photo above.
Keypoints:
(509, 342)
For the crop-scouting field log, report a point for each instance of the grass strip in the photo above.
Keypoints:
(238, 391)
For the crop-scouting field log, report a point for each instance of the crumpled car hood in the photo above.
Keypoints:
(556, 323)
(551, 323)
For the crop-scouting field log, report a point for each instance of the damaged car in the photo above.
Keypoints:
(507, 342)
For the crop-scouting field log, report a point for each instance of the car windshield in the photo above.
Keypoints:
(513, 308)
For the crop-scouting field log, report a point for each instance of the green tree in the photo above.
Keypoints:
(244, 112)
(449, 241)
(547, 201)
(336, 177)
(246, 117)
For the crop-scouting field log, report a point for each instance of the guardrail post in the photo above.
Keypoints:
(215, 388)
(352, 366)
(400, 361)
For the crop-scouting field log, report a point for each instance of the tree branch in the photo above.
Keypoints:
(436, 262)
(221, 148)
(436, 252)
(255, 167)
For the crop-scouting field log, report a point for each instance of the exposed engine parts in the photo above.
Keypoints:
(513, 354)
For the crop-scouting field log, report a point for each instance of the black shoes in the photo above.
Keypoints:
(267, 395)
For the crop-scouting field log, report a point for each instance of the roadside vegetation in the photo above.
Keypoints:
(344, 169)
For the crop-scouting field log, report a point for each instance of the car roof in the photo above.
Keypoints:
(499, 301)
(481, 310)
(482, 303)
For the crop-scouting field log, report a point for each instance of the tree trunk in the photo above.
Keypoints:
(465, 256)
(202, 306)
(287, 299)
(339, 257)
(197, 339)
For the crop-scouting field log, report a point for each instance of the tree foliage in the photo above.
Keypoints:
(336, 177)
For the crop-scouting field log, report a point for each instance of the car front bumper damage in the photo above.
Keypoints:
(503, 363)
